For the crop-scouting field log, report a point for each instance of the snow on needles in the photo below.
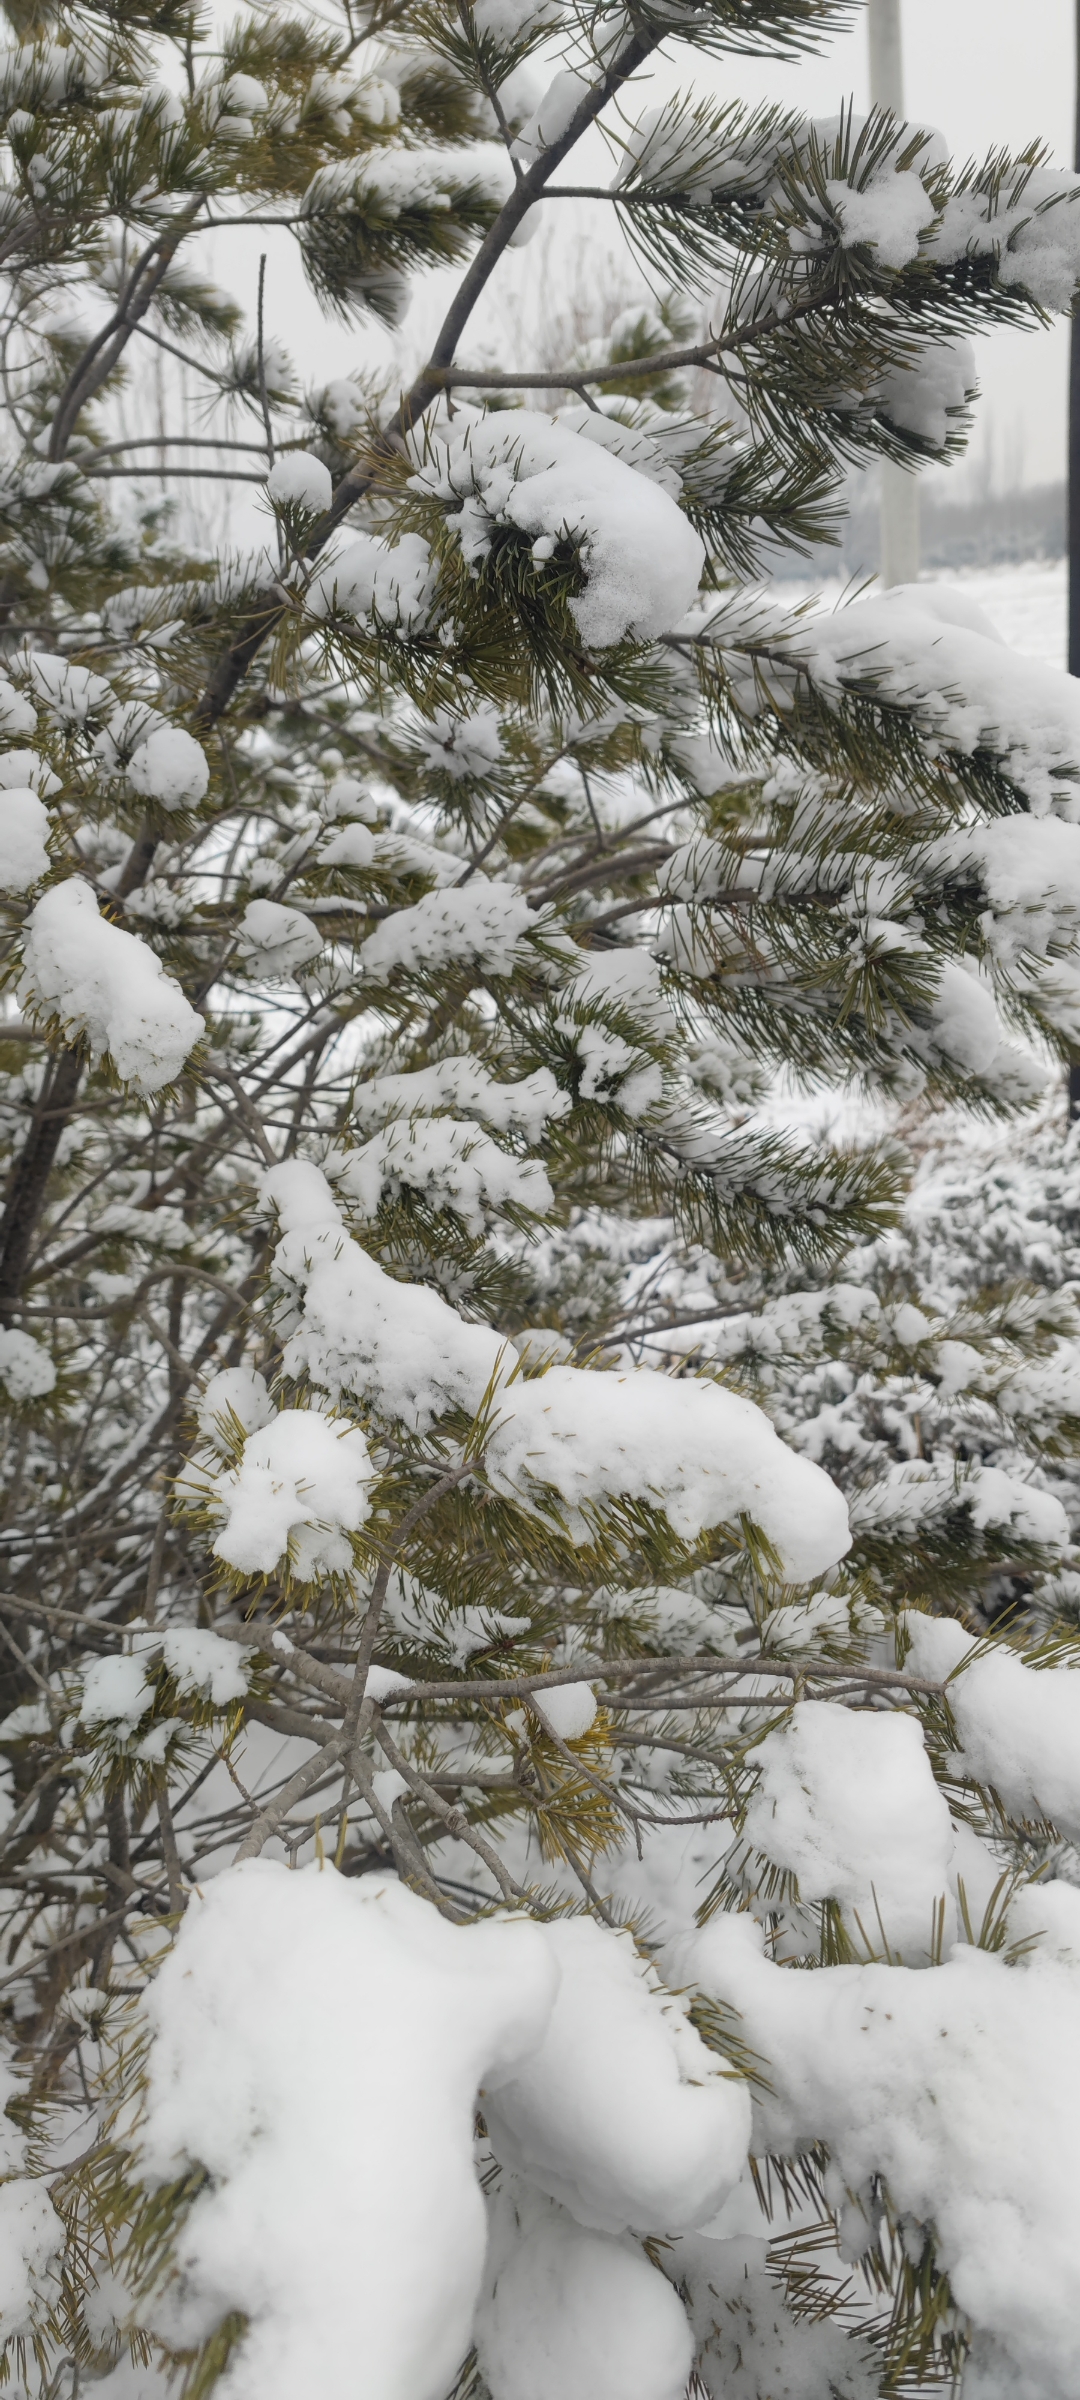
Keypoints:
(31, 2239)
(964, 686)
(342, 2216)
(752, 2341)
(890, 213)
(300, 1489)
(353, 1329)
(464, 1088)
(483, 924)
(961, 2087)
(641, 558)
(299, 480)
(108, 986)
(1018, 1726)
(700, 1453)
(170, 767)
(390, 586)
(848, 1804)
(454, 1165)
(26, 1370)
(24, 826)
(118, 1690)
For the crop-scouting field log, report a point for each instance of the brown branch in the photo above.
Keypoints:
(269, 1818)
(26, 1192)
(101, 355)
(599, 1670)
(454, 1819)
(657, 362)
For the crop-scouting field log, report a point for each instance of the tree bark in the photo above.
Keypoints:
(26, 1193)
(1074, 505)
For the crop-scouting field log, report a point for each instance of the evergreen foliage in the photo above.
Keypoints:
(406, 921)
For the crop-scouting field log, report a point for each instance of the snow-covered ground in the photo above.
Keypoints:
(1026, 603)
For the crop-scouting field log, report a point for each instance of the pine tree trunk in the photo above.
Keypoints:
(1074, 428)
(1074, 508)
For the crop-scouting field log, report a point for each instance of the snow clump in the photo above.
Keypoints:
(572, 2312)
(847, 1803)
(640, 556)
(621, 2113)
(483, 923)
(961, 2087)
(1031, 229)
(238, 1392)
(750, 2341)
(701, 1454)
(299, 1490)
(22, 770)
(889, 214)
(967, 1029)
(170, 767)
(393, 587)
(31, 2239)
(924, 397)
(17, 713)
(299, 480)
(463, 1087)
(26, 1370)
(570, 1709)
(918, 645)
(351, 1328)
(24, 826)
(1018, 1726)
(119, 1690)
(453, 1165)
(463, 746)
(277, 941)
(108, 986)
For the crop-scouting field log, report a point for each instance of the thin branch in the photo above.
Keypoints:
(190, 474)
(269, 1818)
(262, 360)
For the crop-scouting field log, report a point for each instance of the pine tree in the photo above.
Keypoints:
(461, 1758)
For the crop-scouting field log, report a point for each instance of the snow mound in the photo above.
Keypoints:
(575, 2313)
(342, 2206)
(961, 2087)
(621, 2113)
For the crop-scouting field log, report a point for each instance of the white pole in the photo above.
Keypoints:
(899, 489)
(886, 56)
